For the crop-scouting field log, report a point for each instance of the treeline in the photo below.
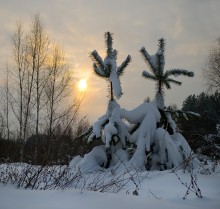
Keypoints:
(200, 132)
(203, 133)
(63, 147)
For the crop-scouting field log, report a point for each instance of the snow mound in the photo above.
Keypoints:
(93, 161)
(154, 148)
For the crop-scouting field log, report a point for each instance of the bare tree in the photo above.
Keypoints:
(39, 44)
(57, 84)
(2, 126)
(57, 90)
(38, 88)
(211, 71)
(30, 50)
(38, 47)
(23, 83)
(6, 104)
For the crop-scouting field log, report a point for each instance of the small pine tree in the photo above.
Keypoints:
(139, 143)
(109, 126)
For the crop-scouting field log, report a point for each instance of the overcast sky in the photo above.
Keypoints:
(189, 27)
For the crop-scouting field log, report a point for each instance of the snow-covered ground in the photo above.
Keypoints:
(157, 190)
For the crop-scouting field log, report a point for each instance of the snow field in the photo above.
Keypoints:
(158, 190)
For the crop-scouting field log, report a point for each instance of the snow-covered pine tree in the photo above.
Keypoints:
(110, 126)
(154, 147)
(162, 78)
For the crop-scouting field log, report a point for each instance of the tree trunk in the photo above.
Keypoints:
(160, 87)
(111, 92)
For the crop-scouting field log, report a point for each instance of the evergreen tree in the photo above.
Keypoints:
(110, 126)
(133, 136)
(197, 129)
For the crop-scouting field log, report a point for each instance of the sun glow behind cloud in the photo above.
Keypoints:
(80, 28)
(82, 85)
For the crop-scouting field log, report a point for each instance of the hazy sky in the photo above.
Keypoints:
(189, 27)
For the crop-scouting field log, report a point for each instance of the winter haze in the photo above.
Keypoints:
(189, 27)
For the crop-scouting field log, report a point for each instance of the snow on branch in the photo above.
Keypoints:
(97, 59)
(97, 127)
(193, 113)
(180, 113)
(115, 54)
(99, 71)
(149, 59)
(115, 80)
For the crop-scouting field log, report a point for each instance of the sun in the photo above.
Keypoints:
(82, 85)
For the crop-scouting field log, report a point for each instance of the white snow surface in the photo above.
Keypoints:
(159, 99)
(97, 126)
(157, 190)
(171, 121)
(138, 114)
(93, 161)
(169, 150)
(144, 140)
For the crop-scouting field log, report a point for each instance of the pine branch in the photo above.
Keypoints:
(160, 55)
(124, 64)
(147, 75)
(97, 59)
(148, 60)
(167, 84)
(161, 44)
(99, 71)
(180, 113)
(173, 81)
(178, 72)
(160, 62)
(193, 113)
(109, 43)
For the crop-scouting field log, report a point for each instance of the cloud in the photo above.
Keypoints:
(189, 27)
